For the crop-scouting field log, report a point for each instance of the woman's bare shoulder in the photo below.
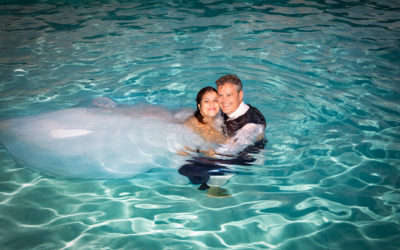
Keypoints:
(191, 122)
(207, 131)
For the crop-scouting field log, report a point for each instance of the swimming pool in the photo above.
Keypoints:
(325, 74)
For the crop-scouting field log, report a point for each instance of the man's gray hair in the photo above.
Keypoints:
(232, 79)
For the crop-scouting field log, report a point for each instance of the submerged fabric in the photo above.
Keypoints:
(96, 142)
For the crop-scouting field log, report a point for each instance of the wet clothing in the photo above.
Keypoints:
(199, 171)
(252, 115)
(247, 122)
(245, 126)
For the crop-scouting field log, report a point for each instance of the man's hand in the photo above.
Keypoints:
(209, 153)
(185, 153)
(182, 153)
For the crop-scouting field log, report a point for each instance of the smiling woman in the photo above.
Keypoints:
(206, 120)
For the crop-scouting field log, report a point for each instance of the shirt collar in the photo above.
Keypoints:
(241, 110)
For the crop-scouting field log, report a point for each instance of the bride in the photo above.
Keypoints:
(206, 120)
(104, 141)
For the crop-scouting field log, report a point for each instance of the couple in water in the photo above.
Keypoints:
(238, 132)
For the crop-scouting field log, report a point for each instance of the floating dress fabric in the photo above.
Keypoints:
(107, 142)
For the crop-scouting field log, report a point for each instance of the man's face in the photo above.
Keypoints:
(229, 98)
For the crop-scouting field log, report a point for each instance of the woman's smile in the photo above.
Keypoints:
(209, 104)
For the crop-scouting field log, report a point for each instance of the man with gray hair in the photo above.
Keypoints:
(244, 124)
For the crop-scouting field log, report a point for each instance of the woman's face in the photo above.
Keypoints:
(209, 104)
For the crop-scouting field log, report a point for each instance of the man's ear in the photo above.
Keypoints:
(241, 95)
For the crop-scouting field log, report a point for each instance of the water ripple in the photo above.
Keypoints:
(325, 74)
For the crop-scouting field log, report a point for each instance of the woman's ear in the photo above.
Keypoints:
(201, 112)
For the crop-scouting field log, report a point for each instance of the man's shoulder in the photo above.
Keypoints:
(255, 116)
(251, 107)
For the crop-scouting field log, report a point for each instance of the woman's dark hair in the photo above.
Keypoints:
(200, 95)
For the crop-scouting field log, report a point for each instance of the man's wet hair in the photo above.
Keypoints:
(232, 79)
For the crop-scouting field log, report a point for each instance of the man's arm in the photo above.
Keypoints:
(244, 137)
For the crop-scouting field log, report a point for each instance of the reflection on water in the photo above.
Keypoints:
(323, 73)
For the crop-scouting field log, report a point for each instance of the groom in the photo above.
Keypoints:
(244, 124)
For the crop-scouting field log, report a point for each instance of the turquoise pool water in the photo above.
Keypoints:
(324, 73)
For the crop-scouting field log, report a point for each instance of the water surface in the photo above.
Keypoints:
(324, 73)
